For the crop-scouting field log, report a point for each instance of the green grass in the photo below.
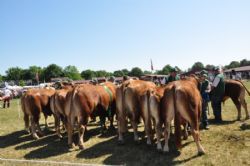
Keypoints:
(225, 144)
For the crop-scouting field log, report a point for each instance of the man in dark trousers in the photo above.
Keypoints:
(217, 92)
(205, 89)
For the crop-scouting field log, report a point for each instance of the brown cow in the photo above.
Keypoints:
(132, 103)
(57, 104)
(34, 102)
(154, 102)
(236, 91)
(187, 95)
(87, 100)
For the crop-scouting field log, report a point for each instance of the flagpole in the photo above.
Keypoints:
(152, 67)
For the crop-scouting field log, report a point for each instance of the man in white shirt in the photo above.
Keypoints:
(6, 97)
(217, 93)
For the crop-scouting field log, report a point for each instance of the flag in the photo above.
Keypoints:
(152, 67)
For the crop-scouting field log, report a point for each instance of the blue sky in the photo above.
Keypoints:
(118, 34)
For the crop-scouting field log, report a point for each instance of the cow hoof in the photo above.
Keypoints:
(165, 152)
(81, 147)
(71, 146)
(247, 117)
(165, 149)
(201, 153)
(27, 131)
(185, 137)
(149, 142)
(35, 137)
(60, 136)
(159, 147)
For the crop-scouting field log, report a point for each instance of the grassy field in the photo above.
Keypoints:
(225, 144)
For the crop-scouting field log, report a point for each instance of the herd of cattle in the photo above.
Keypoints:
(74, 105)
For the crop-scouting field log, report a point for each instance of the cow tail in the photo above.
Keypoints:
(123, 111)
(244, 87)
(177, 122)
(25, 115)
(69, 101)
(148, 95)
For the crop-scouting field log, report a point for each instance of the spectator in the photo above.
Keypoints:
(217, 92)
(6, 97)
(205, 89)
(173, 76)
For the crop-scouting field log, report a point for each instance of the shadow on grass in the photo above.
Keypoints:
(51, 145)
(132, 153)
(224, 122)
(14, 138)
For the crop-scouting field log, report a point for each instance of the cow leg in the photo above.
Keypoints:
(158, 134)
(70, 126)
(148, 129)
(26, 121)
(120, 133)
(244, 104)
(122, 126)
(81, 135)
(238, 106)
(33, 129)
(46, 123)
(146, 119)
(102, 121)
(134, 125)
(196, 136)
(111, 119)
(185, 132)
(39, 129)
(57, 125)
(166, 136)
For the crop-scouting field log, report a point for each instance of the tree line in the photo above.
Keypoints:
(52, 71)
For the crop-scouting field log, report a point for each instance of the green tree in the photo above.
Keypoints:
(14, 73)
(102, 73)
(21, 83)
(244, 62)
(146, 72)
(165, 70)
(88, 74)
(52, 71)
(118, 73)
(179, 70)
(1, 78)
(209, 67)
(26, 74)
(72, 72)
(34, 71)
(125, 72)
(233, 64)
(136, 71)
(197, 66)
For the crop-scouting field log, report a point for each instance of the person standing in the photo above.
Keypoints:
(217, 93)
(205, 90)
(173, 76)
(6, 97)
